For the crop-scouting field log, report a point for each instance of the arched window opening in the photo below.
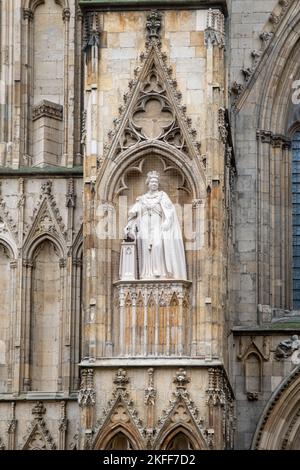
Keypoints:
(180, 442)
(296, 219)
(45, 318)
(119, 442)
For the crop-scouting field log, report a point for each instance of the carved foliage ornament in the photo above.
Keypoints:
(7, 225)
(215, 29)
(154, 25)
(150, 391)
(287, 349)
(91, 32)
(87, 393)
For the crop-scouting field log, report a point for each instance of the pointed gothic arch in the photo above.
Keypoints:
(111, 174)
(46, 293)
(32, 248)
(33, 4)
(46, 225)
(106, 440)
(180, 437)
(9, 247)
(170, 134)
(178, 420)
(119, 420)
(279, 425)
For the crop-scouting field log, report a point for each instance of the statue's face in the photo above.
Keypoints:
(153, 184)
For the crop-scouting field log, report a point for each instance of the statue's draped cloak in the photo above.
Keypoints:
(160, 251)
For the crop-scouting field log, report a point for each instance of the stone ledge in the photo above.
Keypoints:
(38, 396)
(76, 171)
(273, 328)
(151, 362)
(48, 109)
(141, 4)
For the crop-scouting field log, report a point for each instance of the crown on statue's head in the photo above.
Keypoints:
(153, 174)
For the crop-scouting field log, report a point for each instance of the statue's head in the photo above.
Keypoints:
(152, 180)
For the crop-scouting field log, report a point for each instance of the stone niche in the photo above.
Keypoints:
(151, 317)
(47, 134)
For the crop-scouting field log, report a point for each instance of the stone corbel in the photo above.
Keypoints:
(66, 15)
(28, 14)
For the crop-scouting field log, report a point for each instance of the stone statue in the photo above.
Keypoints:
(154, 227)
(287, 347)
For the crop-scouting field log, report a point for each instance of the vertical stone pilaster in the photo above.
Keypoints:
(86, 401)
(12, 428)
(217, 132)
(64, 334)
(63, 426)
(26, 324)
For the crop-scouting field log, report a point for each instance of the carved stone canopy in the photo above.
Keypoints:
(152, 111)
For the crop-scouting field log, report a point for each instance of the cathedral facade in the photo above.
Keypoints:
(149, 224)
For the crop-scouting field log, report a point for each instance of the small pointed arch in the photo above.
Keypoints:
(46, 291)
(119, 424)
(9, 248)
(180, 423)
(111, 173)
(180, 437)
(32, 248)
(253, 372)
(34, 4)
(118, 437)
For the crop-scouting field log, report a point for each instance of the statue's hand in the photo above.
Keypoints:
(129, 232)
(165, 226)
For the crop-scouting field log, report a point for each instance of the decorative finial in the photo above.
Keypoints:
(121, 380)
(181, 380)
(154, 25)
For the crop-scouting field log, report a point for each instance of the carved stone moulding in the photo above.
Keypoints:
(152, 318)
(47, 109)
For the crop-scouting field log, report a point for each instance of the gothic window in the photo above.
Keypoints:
(46, 292)
(48, 52)
(296, 219)
(180, 442)
(47, 95)
(119, 442)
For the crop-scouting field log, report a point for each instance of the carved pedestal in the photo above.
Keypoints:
(152, 318)
(128, 261)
